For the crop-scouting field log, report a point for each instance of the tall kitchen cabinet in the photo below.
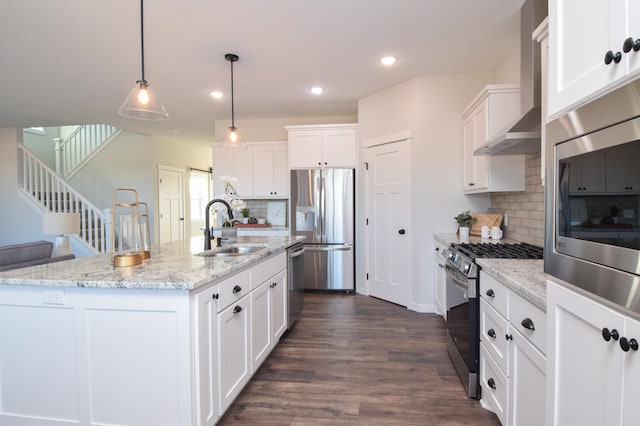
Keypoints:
(592, 50)
(593, 362)
(261, 169)
(490, 112)
(326, 145)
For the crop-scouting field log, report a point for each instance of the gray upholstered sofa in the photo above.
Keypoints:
(28, 254)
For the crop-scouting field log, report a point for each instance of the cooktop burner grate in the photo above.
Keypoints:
(500, 251)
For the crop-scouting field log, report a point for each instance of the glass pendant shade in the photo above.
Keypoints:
(142, 104)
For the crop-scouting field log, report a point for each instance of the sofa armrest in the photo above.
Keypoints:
(37, 262)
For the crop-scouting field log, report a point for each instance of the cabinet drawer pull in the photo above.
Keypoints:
(237, 309)
(629, 44)
(490, 293)
(491, 333)
(508, 337)
(628, 344)
(237, 289)
(608, 335)
(215, 296)
(612, 57)
(491, 383)
(528, 324)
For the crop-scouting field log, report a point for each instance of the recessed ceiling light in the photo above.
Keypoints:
(317, 90)
(216, 94)
(388, 60)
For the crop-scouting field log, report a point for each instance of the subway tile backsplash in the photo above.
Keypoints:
(525, 210)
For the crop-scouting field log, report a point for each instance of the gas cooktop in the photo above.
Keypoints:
(499, 251)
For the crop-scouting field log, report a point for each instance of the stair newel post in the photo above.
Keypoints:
(58, 147)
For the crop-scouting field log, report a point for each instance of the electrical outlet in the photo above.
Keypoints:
(53, 296)
(505, 221)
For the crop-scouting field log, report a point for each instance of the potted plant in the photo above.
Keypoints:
(465, 220)
(245, 215)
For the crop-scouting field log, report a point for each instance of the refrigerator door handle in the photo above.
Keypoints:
(337, 247)
(296, 252)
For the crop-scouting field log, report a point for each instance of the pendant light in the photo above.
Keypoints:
(141, 103)
(233, 131)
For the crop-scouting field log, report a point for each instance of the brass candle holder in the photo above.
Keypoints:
(126, 232)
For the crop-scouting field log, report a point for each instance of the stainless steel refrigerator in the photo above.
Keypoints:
(323, 210)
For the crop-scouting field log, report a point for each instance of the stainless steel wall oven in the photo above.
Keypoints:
(592, 198)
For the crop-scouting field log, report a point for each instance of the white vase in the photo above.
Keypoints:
(464, 231)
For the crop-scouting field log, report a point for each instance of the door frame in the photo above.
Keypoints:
(362, 261)
(184, 212)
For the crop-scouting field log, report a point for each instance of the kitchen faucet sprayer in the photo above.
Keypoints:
(207, 231)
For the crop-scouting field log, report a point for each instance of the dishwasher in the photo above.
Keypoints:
(295, 274)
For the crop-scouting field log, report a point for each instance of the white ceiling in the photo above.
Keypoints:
(74, 61)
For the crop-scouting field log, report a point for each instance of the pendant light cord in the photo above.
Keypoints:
(142, 38)
(233, 123)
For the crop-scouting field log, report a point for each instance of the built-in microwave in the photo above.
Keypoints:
(592, 198)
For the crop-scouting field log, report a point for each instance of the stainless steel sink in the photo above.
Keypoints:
(231, 251)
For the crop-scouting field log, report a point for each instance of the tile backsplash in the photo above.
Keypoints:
(525, 210)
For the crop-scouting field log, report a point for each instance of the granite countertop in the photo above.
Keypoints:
(524, 276)
(173, 266)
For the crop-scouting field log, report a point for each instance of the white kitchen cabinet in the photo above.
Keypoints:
(270, 170)
(441, 279)
(622, 172)
(261, 334)
(541, 35)
(279, 305)
(233, 162)
(590, 380)
(489, 113)
(261, 169)
(587, 173)
(579, 39)
(235, 350)
(513, 341)
(333, 145)
(206, 356)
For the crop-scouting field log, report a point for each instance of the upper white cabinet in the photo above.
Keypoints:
(261, 169)
(589, 54)
(270, 170)
(591, 377)
(490, 112)
(332, 145)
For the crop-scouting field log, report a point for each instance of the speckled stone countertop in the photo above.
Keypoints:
(173, 266)
(524, 276)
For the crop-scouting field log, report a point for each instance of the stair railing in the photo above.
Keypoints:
(81, 144)
(45, 188)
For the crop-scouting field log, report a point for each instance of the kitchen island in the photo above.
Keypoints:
(168, 342)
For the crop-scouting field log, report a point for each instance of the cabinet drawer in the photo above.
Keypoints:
(233, 289)
(267, 269)
(524, 316)
(494, 385)
(493, 331)
(494, 293)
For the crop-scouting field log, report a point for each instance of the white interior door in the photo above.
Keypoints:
(389, 216)
(171, 199)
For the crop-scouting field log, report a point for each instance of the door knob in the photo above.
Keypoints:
(401, 232)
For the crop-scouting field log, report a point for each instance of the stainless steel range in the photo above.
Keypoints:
(463, 303)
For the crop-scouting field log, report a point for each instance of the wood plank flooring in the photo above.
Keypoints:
(357, 360)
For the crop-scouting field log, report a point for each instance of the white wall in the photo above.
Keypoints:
(429, 107)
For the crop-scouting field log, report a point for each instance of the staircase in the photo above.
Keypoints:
(51, 193)
(82, 145)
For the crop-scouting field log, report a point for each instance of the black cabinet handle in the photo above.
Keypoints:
(608, 335)
(215, 296)
(491, 383)
(237, 289)
(490, 293)
(508, 337)
(629, 44)
(491, 333)
(401, 232)
(237, 309)
(627, 344)
(612, 57)
(528, 324)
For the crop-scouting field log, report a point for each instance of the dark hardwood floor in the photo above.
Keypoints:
(353, 359)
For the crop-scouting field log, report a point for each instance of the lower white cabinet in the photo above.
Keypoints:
(512, 359)
(592, 380)
(438, 264)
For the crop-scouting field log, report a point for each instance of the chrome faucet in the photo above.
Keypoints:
(207, 231)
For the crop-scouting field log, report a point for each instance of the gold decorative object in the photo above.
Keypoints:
(126, 232)
(144, 228)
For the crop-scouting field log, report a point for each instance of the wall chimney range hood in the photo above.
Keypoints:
(523, 135)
